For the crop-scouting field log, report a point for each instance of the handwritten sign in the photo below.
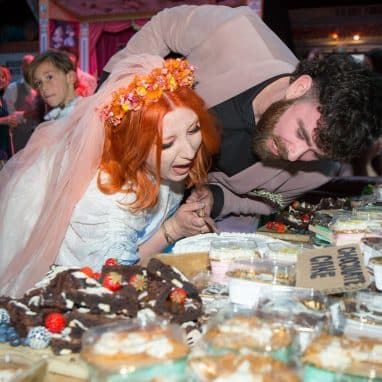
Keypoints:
(332, 269)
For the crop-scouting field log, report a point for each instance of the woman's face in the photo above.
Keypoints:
(4, 80)
(181, 141)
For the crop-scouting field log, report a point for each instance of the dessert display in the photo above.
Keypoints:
(249, 280)
(243, 331)
(139, 350)
(69, 301)
(283, 252)
(298, 215)
(223, 251)
(349, 229)
(234, 367)
(371, 247)
(363, 314)
(331, 358)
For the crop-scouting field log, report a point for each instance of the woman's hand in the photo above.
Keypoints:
(186, 222)
(202, 194)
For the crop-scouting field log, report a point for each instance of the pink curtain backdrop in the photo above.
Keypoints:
(106, 38)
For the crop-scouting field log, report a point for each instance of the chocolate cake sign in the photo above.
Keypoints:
(332, 270)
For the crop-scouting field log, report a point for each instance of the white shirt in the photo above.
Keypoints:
(100, 227)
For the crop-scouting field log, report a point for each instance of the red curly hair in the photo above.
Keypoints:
(127, 146)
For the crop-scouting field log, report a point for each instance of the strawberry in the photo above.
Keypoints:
(112, 281)
(305, 218)
(111, 261)
(138, 281)
(296, 205)
(178, 296)
(280, 227)
(88, 271)
(270, 225)
(55, 322)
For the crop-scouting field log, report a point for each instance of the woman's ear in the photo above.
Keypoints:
(299, 87)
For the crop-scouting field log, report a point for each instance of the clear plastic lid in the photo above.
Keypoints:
(236, 328)
(15, 367)
(265, 271)
(362, 314)
(350, 223)
(343, 356)
(132, 344)
(283, 252)
(239, 367)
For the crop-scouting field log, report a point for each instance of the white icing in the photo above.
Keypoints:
(243, 374)
(262, 335)
(98, 291)
(133, 343)
(104, 307)
(335, 357)
(177, 283)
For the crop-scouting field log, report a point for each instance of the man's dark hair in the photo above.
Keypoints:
(350, 98)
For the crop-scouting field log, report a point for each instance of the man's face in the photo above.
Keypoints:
(286, 131)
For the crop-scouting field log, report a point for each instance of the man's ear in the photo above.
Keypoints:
(299, 87)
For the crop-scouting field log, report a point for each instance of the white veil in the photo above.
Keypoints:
(41, 184)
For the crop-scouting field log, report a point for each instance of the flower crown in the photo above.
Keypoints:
(144, 90)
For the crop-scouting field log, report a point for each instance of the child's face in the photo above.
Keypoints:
(55, 86)
(181, 141)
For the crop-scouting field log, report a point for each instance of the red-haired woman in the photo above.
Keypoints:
(108, 179)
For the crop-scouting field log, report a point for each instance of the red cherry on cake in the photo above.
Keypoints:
(138, 281)
(112, 281)
(178, 296)
(111, 261)
(97, 275)
(55, 322)
(88, 271)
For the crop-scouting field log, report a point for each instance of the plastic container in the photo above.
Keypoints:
(283, 252)
(362, 314)
(349, 228)
(237, 329)
(238, 367)
(17, 368)
(223, 251)
(249, 280)
(136, 350)
(342, 358)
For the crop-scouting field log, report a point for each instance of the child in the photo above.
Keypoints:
(52, 73)
(107, 180)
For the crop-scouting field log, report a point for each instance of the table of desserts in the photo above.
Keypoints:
(192, 322)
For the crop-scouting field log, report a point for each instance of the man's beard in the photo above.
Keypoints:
(263, 133)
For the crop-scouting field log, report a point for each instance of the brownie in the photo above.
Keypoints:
(157, 268)
(103, 301)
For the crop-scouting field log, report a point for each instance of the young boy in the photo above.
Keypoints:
(52, 73)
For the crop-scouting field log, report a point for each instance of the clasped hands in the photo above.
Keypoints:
(193, 217)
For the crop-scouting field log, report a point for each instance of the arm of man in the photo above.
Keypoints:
(178, 29)
(264, 188)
